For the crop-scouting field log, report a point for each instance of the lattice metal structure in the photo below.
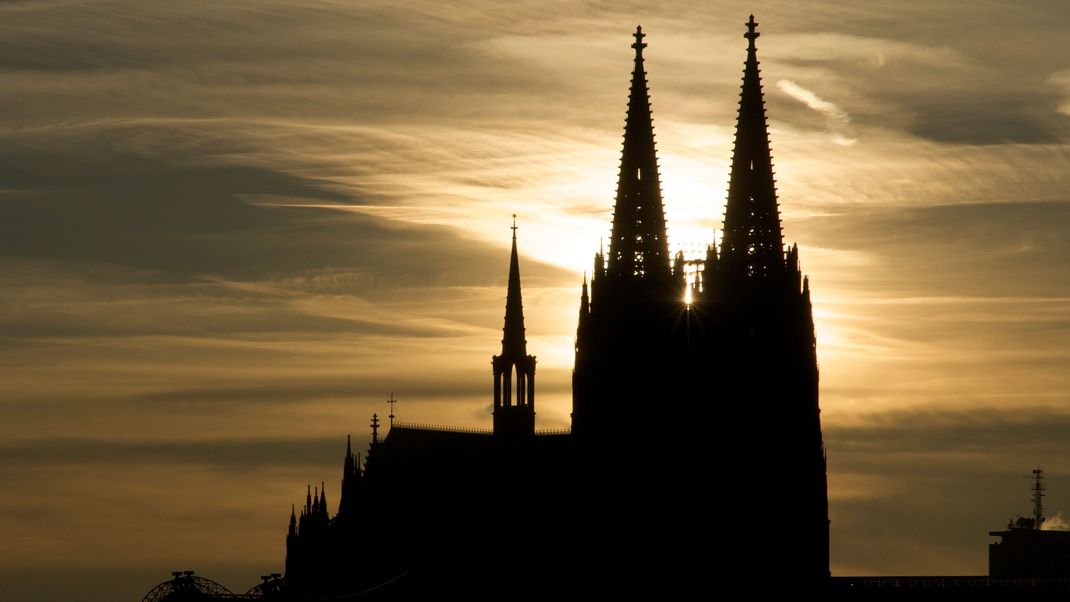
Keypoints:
(185, 586)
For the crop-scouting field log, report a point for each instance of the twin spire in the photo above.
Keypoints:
(638, 249)
(752, 242)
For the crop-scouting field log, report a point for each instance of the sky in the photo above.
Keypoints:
(229, 231)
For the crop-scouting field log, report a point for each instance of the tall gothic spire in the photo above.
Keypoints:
(752, 242)
(585, 316)
(639, 248)
(513, 342)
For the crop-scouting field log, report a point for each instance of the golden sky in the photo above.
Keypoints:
(228, 231)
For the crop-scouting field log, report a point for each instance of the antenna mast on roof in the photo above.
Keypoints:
(1038, 497)
(391, 401)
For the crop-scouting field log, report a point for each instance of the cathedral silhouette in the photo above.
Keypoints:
(694, 465)
(694, 381)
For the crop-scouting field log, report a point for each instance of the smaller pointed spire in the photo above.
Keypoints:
(308, 500)
(348, 493)
(514, 369)
(347, 467)
(293, 521)
(513, 341)
(585, 315)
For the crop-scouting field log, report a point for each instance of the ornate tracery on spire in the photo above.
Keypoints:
(639, 248)
(752, 242)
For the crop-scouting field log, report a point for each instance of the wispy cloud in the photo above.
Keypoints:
(223, 222)
(836, 118)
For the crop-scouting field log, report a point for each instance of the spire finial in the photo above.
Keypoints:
(639, 45)
(513, 228)
(751, 34)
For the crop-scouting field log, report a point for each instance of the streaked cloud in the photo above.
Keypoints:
(837, 119)
(229, 232)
